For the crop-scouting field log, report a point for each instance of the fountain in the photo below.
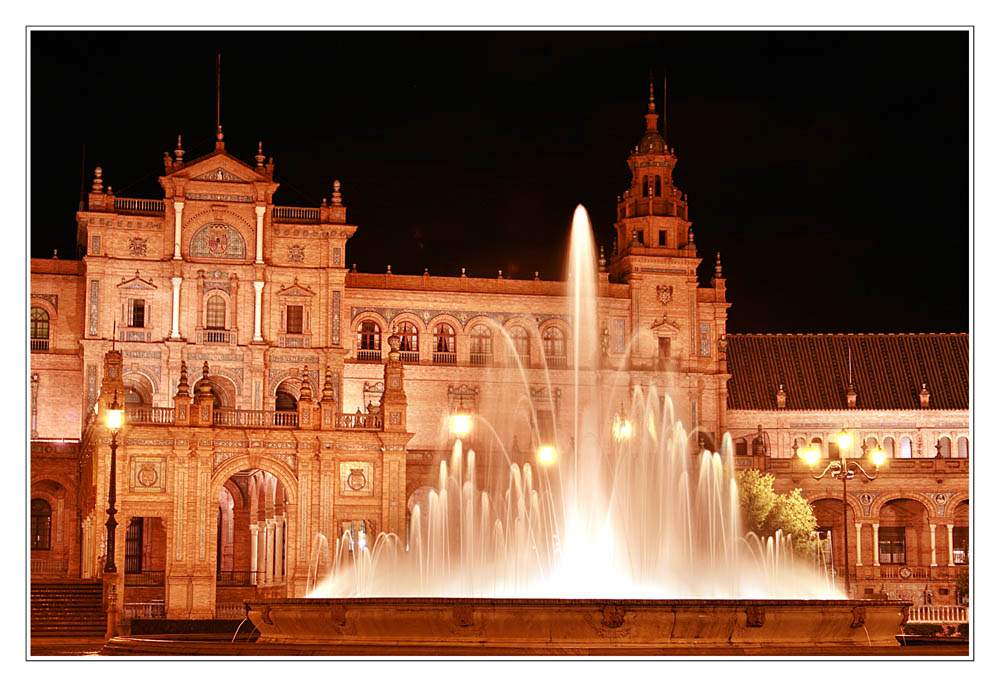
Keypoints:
(622, 544)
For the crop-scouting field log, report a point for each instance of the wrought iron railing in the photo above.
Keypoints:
(41, 566)
(145, 609)
(234, 578)
(555, 361)
(145, 578)
(443, 358)
(39, 344)
(369, 356)
(216, 336)
(480, 358)
(409, 356)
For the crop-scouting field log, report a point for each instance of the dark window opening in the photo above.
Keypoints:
(137, 313)
(960, 545)
(658, 188)
(663, 237)
(41, 525)
(133, 546)
(285, 401)
(293, 319)
(892, 545)
(645, 187)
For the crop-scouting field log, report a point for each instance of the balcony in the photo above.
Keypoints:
(481, 359)
(39, 344)
(369, 356)
(369, 421)
(150, 415)
(444, 358)
(409, 356)
(293, 214)
(234, 578)
(219, 336)
(146, 578)
(915, 572)
(235, 417)
(555, 361)
(139, 206)
(146, 609)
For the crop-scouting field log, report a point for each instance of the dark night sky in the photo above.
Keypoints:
(829, 168)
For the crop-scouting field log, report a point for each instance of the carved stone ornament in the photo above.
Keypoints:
(296, 253)
(137, 245)
(664, 294)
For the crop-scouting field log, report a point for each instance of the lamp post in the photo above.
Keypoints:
(114, 422)
(621, 426)
(842, 469)
(461, 422)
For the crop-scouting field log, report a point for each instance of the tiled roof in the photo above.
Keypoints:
(888, 370)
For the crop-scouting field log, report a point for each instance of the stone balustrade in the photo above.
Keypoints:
(938, 614)
(139, 206)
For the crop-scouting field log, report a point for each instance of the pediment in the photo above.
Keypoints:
(662, 325)
(220, 174)
(136, 282)
(296, 289)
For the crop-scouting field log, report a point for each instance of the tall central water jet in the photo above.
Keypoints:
(616, 516)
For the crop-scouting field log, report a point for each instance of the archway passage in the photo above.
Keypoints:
(830, 526)
(251, 539)
(145, 567)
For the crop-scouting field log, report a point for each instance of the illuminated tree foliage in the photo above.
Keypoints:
(765, 512)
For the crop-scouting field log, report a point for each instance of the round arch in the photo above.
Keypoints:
(852, 502)
(246, 461)
(408, 316)
(370, 315)
(140, 383)
(929, 506)
(952, 506)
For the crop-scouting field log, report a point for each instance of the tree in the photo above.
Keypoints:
(764, 512)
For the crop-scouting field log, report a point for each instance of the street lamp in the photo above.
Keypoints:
(621, 427)
(114, 422)
(842, 469)
(461, 422)
(546, 454)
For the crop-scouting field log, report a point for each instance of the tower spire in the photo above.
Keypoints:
(218, 102)
(651, 116)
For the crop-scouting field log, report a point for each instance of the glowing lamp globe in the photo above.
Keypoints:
(461, 423)
(622, 428)
(844, 440)
(811, 454)
(115, 418)
(878, 456)
(546, 454)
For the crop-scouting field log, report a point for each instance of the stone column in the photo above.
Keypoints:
(261, 553)
(269, 552)
(951, 546)
(260, 233)
(875, 545)
(933, 547)
(857, 541)
(253, 554)
(175, 318)
(279, 549)
(258, 287)
(178, 209)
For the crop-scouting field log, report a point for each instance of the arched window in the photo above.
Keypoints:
(444, 343)
(41, 525)
(522, 344)
(285, 401)
(481, 351)
(963, 447)
(945, 447)
(818, 443)
(133, 397)
(645, 187)
(905, 450)
(369, 341)
(889, 447)
(39, 329)
(408, 342)
(658, 187)
(554, 344)
(215, 313)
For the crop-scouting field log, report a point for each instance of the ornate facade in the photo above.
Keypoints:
(273, 395)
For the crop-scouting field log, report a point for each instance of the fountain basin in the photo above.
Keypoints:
(413, 625)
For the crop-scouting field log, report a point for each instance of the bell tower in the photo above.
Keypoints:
(652, 215)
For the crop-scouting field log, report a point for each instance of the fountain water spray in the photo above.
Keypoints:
(618, 516)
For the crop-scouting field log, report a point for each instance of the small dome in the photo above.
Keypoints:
(652, 142)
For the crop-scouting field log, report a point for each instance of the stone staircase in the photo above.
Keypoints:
(68, 609)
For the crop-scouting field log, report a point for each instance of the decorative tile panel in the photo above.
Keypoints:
(704, 338)
(335, 318)
(618, 335)
(95, 290)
